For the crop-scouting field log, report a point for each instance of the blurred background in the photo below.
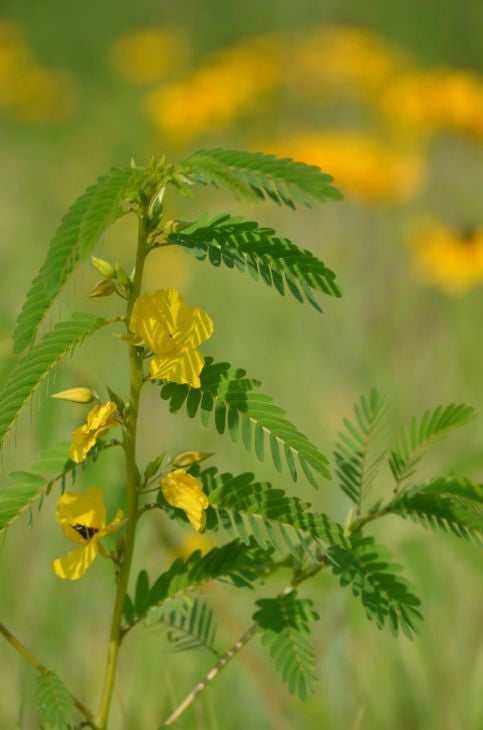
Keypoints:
(388, 98)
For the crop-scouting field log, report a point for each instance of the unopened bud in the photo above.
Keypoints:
(123, 278)
(104, 267)
(76, 395)
(103, 288)
(187, 458)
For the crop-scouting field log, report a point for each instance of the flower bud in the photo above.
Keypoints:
(187, 458)
(103, 288)
(103, 267)
(76, 395)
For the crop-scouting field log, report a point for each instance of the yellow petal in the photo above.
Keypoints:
(82, 442)
(101, 415)
(186, 458)
(76, 395)
(74, 564)
(85, 509)
(113, 524)
(165, 321)
(181, 367)
(182, 490)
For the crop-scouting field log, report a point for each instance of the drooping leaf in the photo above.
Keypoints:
(81, 228)
(285, 624)
(248, 415)
(446, 504)
(386, 596)
(415, 440)
(249, 509)
(191, 628)
(257, 176)
(246, 246)
(56, 707)
(36, 364)
(358, 452)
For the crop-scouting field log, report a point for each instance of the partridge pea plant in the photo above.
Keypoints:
(258, 528)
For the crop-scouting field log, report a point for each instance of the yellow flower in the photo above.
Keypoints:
(99, 420)
(428, 100)
(147, 54)
(76, 395)
(228, 83)
(361, 164)
(182, 490)
(173, 331)
(450, 259)
(82, 518)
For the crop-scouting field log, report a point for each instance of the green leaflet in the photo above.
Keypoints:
(415, 440)
(448, 504)
(236, 561)
(249, 509)
(385, 595)
(358, 453)
(256, 176)
(246, 246)
(34, 365)
(56, 707)
(285, 625)
(15, 500)
(80, 230)
(249, 416)
(190, 628)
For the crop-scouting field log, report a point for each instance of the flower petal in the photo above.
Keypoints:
(181, 367)
(100, 415)
(82, 442)
(74, 564)
(182, 490)
(81, 509)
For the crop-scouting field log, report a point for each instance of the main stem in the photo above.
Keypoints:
(136, 371)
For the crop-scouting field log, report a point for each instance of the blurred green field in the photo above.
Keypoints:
(409, 323)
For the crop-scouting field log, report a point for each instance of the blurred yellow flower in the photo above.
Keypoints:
(428, 100)
(453, 260)
(229, 83)
(29, 92)
(173, 331)
(184, 491)
(99, 420)
(361, 164)
(82, 518)
(148, 54)
(343, 57)
(194, 541)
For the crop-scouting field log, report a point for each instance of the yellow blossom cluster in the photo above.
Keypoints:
(147, 55)
(438, 99)
(335, 58)
(450, 259)
(361, 164)
(226, 85)
(29, 92)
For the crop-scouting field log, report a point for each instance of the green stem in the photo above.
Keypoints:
(136, 371)
(29, 657)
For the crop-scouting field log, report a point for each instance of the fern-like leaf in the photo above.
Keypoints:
(385, 595)
(414, 441)
(56, 707)
(446, 504)
(234, 561)
(233, 400)
(285, 625)
(36, 364)
(246, 246)
(191, 628)
(248, 509)
(15, 500)
(257, 176)
(358, 452)
(80, 230)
